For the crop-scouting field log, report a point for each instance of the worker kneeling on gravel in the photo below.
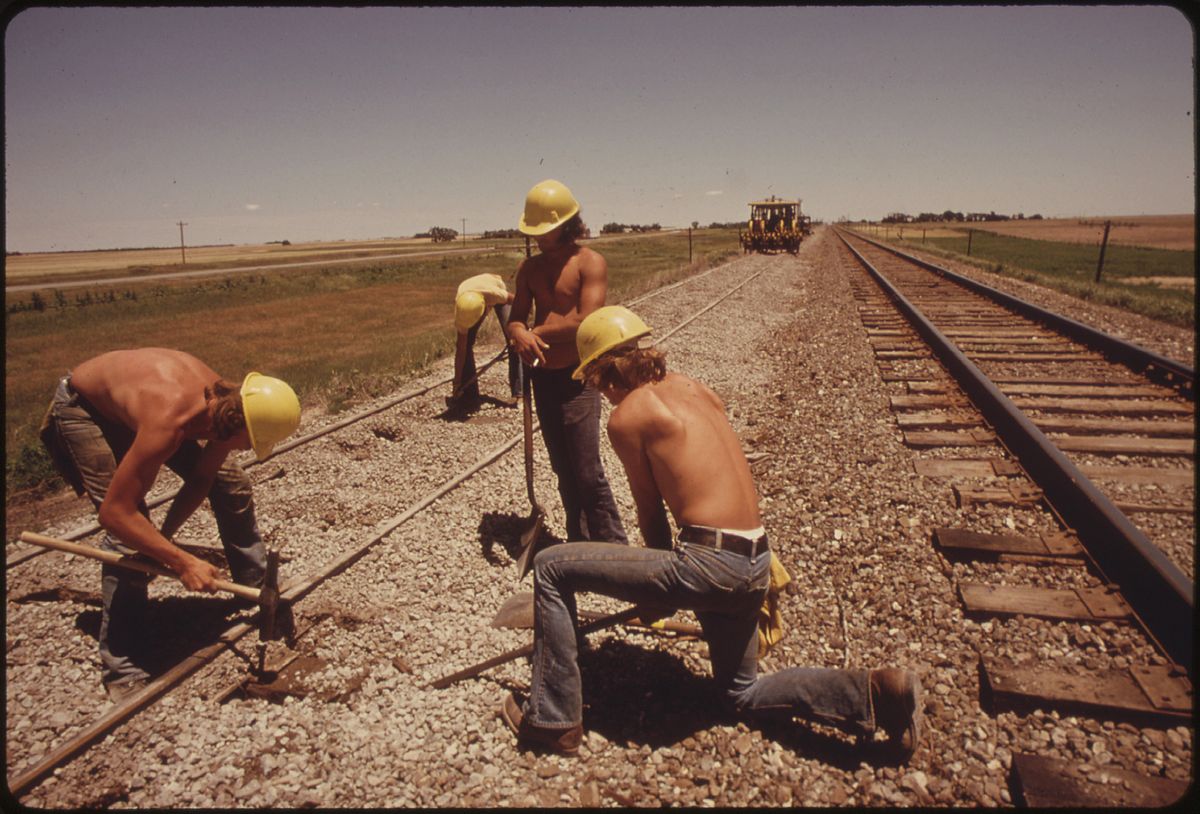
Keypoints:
(474, 296)
(113, 423)
(678, 448)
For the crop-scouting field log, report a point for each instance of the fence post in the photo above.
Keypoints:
(689, 245)
(970, 235)
(1103, 246)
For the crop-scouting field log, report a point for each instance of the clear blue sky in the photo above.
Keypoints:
(260, 124)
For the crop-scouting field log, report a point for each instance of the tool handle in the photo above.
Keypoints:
(113, 558)
(470, 672)
(456, 392)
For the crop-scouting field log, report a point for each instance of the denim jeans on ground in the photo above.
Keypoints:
(96, 446)
(569, 414)
(471, 391)
(723, 588)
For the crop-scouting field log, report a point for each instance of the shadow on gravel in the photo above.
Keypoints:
(504, 528)
(175, 627)
(637, 697)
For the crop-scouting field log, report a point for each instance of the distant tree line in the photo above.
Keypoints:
(950, 216)
(496, 234)
(621, 228)
(439, 234)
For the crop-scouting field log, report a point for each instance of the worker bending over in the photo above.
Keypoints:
(563, 284)
(113, 423)
(475, 295)
(677, 447)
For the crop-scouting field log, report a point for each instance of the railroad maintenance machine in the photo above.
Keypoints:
(775, 225)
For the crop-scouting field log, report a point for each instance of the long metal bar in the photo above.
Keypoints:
(1145, 361)
(1154, 586)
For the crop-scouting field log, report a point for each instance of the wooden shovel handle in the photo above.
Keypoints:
(113, 558)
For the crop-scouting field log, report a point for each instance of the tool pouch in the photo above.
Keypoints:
(770, 620)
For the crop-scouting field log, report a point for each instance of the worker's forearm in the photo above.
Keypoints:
(137, 532)
(656, 530)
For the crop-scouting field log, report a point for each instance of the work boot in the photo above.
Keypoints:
(560, 741)
(118, 691)
(896, 701)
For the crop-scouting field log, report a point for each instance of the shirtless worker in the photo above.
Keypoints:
(564, 283)
(471, 301)
(113, 423)
(678, 448)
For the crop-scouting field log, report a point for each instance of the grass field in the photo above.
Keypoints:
(338, 334)
(1149, 280)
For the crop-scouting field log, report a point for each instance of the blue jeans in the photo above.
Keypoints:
(724, 589)
(471, 391)
(569, 414)
(94, 445)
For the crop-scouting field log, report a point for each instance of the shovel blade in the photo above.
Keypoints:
(516, 612)
(529, 542)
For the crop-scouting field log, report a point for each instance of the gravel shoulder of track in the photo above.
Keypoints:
(790, 358)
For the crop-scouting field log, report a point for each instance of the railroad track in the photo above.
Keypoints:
(1078, 417)
(413, 606)
(296, 589)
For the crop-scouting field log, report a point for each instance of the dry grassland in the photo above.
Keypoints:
(18, 268)
(1176, 232)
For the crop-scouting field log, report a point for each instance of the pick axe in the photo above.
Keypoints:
(267, 597)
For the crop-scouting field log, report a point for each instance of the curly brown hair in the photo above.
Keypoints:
(572, 229)
(626, 368)
(228, 418)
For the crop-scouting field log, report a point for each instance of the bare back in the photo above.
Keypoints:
(679, 429)
(147, 388)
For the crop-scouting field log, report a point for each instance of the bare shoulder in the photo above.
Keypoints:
(645, 413)
(590, 259)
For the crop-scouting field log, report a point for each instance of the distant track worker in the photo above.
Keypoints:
(562, 284)
(678, 449)
(475, 295)
(113, 423)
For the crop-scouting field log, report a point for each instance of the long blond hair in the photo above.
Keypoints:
(626, 368)
(228, 417)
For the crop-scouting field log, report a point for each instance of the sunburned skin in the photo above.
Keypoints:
(565, 283)
(678, 447)
(159, 394)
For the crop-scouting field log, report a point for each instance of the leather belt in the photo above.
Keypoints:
(722, 541)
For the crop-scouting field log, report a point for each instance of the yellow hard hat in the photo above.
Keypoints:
(547, 206)
(272, 411)
(468, 310)
(604, 329)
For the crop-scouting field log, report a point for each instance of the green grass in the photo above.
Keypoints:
(1071, 268)
(337, 334)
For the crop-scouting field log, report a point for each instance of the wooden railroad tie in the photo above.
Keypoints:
(936, 438)
(1157, 693)
(966, 468)
(1078, 604)
(1054, 547)
(1044, 782)
(1013, 494)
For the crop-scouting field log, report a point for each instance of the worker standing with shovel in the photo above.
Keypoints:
(678, 449)
(113, 423)
(561, 285)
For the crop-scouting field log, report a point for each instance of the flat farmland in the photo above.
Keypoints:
(49, 266)
(1175, 232)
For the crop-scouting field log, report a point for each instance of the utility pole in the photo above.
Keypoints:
(464, 221)
(1103, 246)
(182, 253)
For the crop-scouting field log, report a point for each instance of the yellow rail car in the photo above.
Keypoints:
(775, 225)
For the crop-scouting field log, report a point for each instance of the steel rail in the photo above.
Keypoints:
(295, 590)
(250, 461)
(1157, 590)
(1141, 360)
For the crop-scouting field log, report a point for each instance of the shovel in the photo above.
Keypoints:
(517, 613)
(527, 650)
(537, 515)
